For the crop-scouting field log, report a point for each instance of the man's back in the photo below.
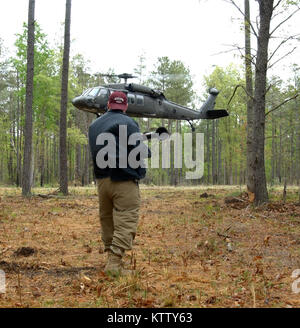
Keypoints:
(110, 123)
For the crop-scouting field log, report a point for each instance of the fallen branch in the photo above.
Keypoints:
(224, 236)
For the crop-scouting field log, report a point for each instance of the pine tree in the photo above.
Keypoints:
(63, 181)
(28, 151)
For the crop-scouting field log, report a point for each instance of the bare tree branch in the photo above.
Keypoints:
(284, 102)
(239, 9)
(288, 53)
(240, 50)
(284, 134)
(268, 89)
(280, 44)
(285, 20)
(235, 89)
(277, 13)
(277, 4)
(293, 37)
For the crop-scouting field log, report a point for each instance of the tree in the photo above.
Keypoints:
(257, 183)
(139, 70)
(249, 90)
(45, 100)
(256, 175)
(28, 151)
(225, 139)
(63, 164)
(174, 80)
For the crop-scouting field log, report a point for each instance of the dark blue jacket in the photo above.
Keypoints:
(109, 123)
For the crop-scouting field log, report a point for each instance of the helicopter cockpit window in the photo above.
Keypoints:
(130, 98)
(103, 93)
(94, 92)
(140, 100)
(85, 92)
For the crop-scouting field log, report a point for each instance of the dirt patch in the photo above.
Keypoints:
(25, 251)
(32, 270)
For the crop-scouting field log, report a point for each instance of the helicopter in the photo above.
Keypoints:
(144, 101)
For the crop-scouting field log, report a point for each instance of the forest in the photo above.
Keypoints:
(225, 139)
(238, 225)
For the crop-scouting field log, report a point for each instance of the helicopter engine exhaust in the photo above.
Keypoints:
(161, 133)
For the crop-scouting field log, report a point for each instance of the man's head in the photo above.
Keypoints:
(118, 101)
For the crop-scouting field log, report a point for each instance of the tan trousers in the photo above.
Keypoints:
(119, 203)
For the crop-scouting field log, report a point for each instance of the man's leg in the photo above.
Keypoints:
(126, 204)
(105, 212)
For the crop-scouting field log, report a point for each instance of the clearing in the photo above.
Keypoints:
(195, 247)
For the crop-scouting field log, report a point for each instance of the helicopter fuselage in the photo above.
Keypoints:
(146, 102)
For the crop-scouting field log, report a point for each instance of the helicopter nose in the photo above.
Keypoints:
(78, 102)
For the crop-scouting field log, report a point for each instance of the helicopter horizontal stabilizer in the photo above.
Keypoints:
(216, 113)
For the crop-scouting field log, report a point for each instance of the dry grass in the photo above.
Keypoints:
(190, 251)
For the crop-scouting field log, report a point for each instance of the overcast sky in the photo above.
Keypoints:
(113, 33)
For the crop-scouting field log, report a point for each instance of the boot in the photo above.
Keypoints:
(114, 264)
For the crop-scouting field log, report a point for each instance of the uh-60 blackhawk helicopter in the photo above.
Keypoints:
(146, 102)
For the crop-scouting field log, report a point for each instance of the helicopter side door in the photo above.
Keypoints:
(146, 105)
(102, 98)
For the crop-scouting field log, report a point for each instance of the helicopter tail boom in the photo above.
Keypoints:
(207, 110)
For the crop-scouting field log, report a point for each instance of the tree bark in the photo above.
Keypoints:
(207, 152)
(249, 89)
(63, 154)
(273, 157)
(298, 148)
(27, 164)
(213, 153)
(279, 164)
(256, 159)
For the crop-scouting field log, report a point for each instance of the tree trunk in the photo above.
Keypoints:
(279, 166)
(256, 159)
(86, 176)
(213, 153)
(219, 161)
(18, 134)
(298, 147)
(63, 154)
(273, 157)
(78, 149)
(27, 165)
(42, 160)
(249, 89)
(207, 152)
(291, 166)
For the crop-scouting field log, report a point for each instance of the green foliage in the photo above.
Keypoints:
(231, 130)
(75, 136)
(174, 79)
(225, 139)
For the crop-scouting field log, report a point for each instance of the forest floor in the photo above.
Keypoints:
(195, 247)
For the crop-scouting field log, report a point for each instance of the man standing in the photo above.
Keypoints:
(118, 181)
